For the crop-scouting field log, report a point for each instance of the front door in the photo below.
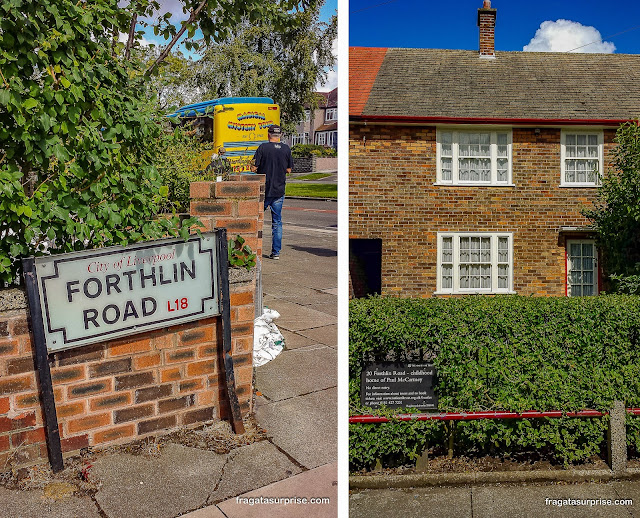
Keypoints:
(582, 267)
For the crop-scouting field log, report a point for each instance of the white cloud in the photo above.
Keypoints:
(332, 73)
(123, 38)
(565, 35)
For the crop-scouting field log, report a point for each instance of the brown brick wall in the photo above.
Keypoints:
(121, 390)
(392, 196)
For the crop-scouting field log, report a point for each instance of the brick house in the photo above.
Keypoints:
(320, 125)
(468, 170)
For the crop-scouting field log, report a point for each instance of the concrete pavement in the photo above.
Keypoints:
(612, 499)
(290, 474)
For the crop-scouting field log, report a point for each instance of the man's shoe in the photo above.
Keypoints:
(274, 256)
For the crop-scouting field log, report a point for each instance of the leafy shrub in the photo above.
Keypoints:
(77, 135)
(240, 254)
(506, 353)
(181, 159)
(309, 150)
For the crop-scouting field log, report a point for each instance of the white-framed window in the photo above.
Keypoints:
(582, 158)
(582, 268)
(321, 138)
(331, 114)
(332, 138)
(474, 157)
(475, 262)
(307, 115)
(300, 138)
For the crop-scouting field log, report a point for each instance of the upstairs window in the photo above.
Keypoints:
(331, 114)
(474, 157)
(582, 158)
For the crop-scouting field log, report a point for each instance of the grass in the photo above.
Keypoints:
(313, 176)
(312, 190)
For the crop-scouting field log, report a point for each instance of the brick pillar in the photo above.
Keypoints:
(237, 205)
(487, 24)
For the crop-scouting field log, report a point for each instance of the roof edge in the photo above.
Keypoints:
(409, 119)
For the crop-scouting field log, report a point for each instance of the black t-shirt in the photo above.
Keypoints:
(273, 159)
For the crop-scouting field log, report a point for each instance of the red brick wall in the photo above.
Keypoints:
(392, 170)
(122, 390)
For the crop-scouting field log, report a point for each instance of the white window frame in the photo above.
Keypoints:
(321, 136)
(592, 242)
(300, 138)
(493, 181)
(456, 289)
(331, 114)
(307, 115)
(332, 138)
(564, 158)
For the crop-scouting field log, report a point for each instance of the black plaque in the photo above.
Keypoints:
(399, 385)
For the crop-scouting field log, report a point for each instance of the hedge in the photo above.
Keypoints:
(506, 353)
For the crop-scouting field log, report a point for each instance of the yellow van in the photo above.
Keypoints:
(238, 124)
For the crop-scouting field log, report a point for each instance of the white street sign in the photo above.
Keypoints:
(98, 295)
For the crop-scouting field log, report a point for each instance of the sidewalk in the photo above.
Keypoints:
(500, 501)
(297, 407)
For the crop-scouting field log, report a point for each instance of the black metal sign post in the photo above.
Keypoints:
(42, 363)
(223, 268)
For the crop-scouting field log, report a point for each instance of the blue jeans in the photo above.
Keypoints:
(275, 204)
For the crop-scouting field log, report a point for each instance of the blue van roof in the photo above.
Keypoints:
(192, 110)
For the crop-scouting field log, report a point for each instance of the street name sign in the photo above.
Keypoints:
(103, 294)
(399, 385)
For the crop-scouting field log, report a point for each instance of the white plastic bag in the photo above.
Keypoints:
(268, 341)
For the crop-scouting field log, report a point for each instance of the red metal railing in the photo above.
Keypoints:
(470, 416)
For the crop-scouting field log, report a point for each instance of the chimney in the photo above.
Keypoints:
(487, 24)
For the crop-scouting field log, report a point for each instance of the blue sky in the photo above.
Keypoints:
(453, 24)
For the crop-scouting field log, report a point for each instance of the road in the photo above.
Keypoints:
(312, 214)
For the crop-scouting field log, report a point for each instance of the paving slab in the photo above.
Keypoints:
(538, 501)
(318, 483)
(331, 308)
(251, 467)
(629, 490)
(298, 371)
(180, 479)
(411, 503)
(33, 503)
(295, 317)
(305, 426)
(288, 291)
(327, 335)
(293, 340)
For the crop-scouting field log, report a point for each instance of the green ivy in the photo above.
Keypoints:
(506, 353)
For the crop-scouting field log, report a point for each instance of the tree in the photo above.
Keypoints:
(78, 131)
(175, 82)
(260, 60)
(616, 213)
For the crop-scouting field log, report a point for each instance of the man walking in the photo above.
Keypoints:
(274, 160)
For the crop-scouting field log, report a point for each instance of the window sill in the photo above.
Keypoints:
(443, 184)
(476, 292)
(578, 186)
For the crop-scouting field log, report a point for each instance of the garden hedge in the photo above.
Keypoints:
(506, 353)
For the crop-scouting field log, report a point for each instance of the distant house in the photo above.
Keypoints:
(320, 125)
(468, 170)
